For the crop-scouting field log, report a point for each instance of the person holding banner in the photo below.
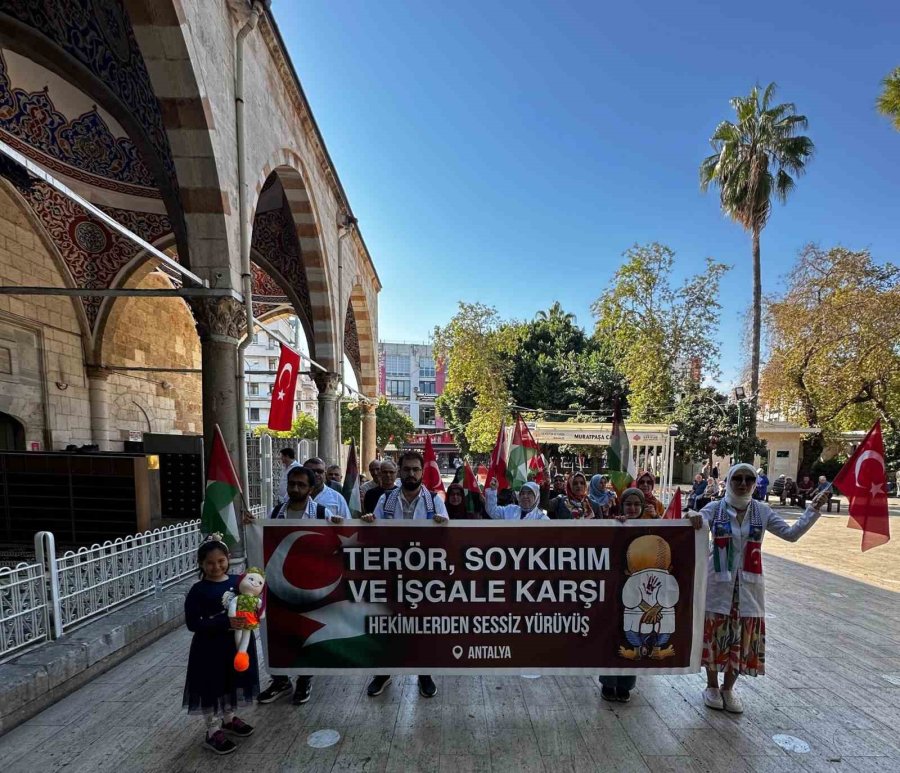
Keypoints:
(526, 510)
(575, 503)
(412, 501)
(734, 634)
(646, 481)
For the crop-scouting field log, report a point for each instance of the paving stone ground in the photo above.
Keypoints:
(833, 681)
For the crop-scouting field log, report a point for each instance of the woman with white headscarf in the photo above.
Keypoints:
(734, 633)
(526, 510)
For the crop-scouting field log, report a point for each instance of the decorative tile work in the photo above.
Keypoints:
(93, 253)
(351, 341)
(275, 239)
(83, 148)
(98, 34)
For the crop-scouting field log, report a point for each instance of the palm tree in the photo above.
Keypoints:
(888, 102)
(754, 159)
(556, 314)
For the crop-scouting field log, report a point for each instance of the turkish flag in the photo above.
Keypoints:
(431, 476)
(674, 508)
(281, 411)
(863, 480)
(497, 465)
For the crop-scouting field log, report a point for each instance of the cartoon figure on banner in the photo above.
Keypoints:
(649, 596)
(250, 605)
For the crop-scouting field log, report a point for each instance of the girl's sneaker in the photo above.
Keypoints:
(219, 744)
(237, 727)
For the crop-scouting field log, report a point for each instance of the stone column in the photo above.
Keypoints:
(328, 408)
(98, 394)
(367, 441)
(220, 324)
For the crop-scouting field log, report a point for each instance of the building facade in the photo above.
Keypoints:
(411, 380)
(141, 111)
(260, 366)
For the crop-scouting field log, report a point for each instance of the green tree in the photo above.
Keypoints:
(390, 422)
(476, 345)
(753, 161)
(834, 341)
(648, 328)
(455, 409)
(888, 102)
(708, 424)
(304, 427)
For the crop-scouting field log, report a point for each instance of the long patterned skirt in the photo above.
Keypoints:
(735, 643)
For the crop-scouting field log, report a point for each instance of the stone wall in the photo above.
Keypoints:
(41, 367)
(149, 333)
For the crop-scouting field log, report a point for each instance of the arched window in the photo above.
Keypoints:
(12, 433)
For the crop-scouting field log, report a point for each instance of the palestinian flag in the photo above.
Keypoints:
(350, 489)
(222, 486)
(497, 465)
(522, 450)
(473, 493)
(619, 462)
(674, 508)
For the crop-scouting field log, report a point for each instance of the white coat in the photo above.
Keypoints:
(752, 591)
(651, 587)
(509, 512)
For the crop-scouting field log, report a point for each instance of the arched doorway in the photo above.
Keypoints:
(12, 433)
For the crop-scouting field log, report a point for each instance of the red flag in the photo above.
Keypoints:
(538, 466)
(674, 508)
(431, 477)
(497, 465)
(863, 480)
(481, 475)
(469, 481)
(281, 411)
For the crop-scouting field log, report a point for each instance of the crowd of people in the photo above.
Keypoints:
(734, 511)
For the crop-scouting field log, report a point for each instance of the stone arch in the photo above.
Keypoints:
(130, 275)
(167, 45)
(98, 54)
(358, 326)
(290, 171)
(12, 433)
(171, 400)
(49, 244)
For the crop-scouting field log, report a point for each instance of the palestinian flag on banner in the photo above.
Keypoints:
(350, 489)
(473, 493)
(222, 486)
(619, 462)
(522, 450)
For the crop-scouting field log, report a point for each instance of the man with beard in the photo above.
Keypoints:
(300, 482)
(385, 482)
(412, 501)
(323, 494)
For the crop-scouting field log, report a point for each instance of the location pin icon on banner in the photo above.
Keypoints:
(457, 652)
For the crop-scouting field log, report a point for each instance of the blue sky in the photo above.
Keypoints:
(509, 152)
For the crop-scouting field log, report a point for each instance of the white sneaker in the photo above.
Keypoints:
(731, 702)
(713, 698)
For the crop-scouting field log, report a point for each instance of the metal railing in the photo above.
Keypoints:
(43, 600)
(24, 607)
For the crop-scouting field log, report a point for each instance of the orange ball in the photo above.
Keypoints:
(241, 661)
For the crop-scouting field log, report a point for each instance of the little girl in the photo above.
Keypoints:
(212, 684)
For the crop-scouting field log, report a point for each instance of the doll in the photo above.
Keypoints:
(248, 605)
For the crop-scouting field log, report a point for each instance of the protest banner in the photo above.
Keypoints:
(482, 597)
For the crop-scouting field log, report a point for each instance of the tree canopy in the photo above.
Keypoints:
(649, 329)
(754, 160)
(390, 422)
(888, 102)
(304, 427)
(834, 339)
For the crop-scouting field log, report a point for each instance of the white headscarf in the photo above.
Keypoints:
(742, 502)
(534, 489)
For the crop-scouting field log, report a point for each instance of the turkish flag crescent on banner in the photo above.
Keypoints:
(281, 411)
(431, 475)
(863, 480)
